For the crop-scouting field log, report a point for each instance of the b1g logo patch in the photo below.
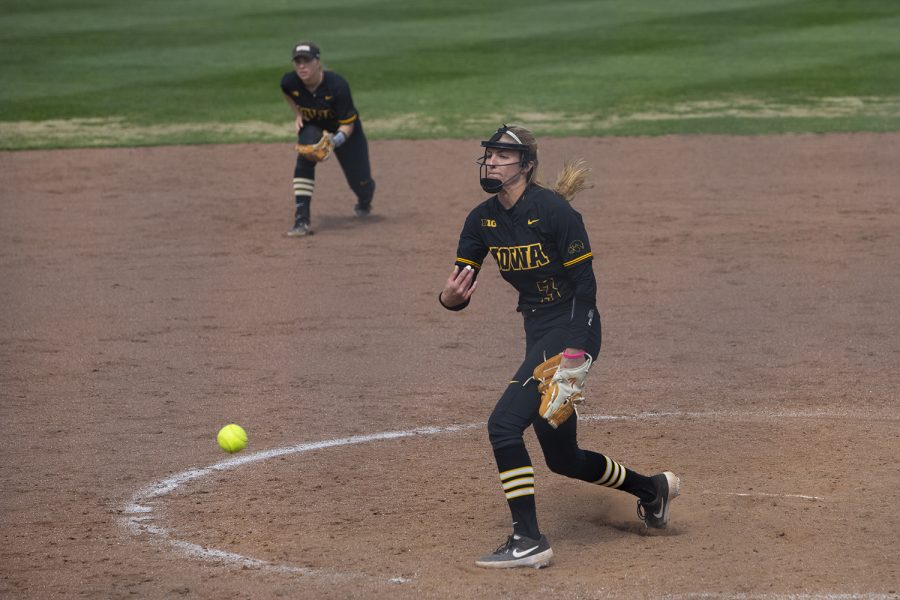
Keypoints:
(488, 223)
(576, 247)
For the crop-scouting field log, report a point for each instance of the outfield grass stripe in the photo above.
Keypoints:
(425, 69)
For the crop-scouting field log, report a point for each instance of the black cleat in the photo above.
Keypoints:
(362, 210)
(519, 551)
(656, 514)
(300, 228)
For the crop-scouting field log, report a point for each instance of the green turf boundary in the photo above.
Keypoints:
(108, 73)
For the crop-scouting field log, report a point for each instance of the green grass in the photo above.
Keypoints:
(108, 72)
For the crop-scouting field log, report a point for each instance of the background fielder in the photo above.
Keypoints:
(321, 101)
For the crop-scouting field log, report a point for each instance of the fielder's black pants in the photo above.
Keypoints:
(353, 157)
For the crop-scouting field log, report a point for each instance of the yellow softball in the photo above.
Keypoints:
(232, 438)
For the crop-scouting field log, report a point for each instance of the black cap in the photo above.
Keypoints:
(306, 50)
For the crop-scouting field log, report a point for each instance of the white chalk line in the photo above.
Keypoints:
(139, 516)
(747, 415)
(798, 596)
(763, 495)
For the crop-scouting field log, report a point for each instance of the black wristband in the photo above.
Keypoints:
(453, 308)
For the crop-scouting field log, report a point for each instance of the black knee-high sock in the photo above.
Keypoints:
(609, 473)
(517, 479)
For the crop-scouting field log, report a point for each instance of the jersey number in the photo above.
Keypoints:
(548, 288)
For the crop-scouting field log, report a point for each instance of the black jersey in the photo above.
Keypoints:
(541, 248)
(330, 106)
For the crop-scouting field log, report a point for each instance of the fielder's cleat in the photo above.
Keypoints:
(300, 228)
(656, 514)
(362, 210)
(519, 551)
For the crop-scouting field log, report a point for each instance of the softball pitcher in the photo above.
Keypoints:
(541, 248)
(326, 121)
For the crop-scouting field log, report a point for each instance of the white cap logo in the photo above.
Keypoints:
(302, 48)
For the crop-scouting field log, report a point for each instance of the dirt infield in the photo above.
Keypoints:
(749, 290)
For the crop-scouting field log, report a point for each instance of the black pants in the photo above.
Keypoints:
(353, 157)
(545, 336)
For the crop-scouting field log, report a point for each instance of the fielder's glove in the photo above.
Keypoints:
(561, 389)
(319, 151)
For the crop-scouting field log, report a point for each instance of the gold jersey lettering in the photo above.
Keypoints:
(519, 258)
(488, 223)
(316, 114)
(502, 257)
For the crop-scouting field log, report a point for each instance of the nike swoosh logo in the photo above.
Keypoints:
(532, 221)
(518, 554)
(662, 509)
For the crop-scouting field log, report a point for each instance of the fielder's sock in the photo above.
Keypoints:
(517, 479)
(614, 475)
(303, 191)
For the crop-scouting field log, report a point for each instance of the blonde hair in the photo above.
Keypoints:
(571, 179)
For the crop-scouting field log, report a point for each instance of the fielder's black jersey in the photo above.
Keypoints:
(330, 106)
(541, 248)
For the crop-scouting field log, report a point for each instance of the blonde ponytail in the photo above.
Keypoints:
(571, 179)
